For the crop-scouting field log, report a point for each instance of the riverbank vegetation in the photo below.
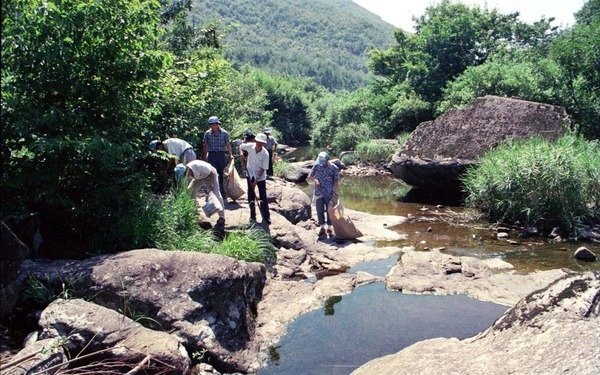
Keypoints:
(539, 183)
(87, 85)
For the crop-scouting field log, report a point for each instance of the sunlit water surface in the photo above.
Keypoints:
(372, 322)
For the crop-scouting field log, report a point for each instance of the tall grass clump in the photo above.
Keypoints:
(538, 183)
(170, 222)
(252, 245)
(281, 168)
(375, 151)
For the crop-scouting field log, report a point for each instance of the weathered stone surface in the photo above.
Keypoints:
(12, 254)
(438, 152)
(92, 328)
(206, 300)
(554, 330)
(299, 171)
(427, 272)
(289, 201)
(583, 253)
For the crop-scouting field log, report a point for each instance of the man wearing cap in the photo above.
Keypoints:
(256, 166)
(204, 177)
(326, 177)
(216, 143)
(271, 147)
(183, 151)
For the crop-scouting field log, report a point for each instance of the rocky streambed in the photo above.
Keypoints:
(226, 314)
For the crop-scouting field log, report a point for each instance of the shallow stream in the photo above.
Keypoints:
(371, 321)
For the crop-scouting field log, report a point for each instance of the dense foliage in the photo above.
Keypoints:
(86, 85)
(538, 183)
(326, 40)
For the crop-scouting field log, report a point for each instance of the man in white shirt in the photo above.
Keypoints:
(257, 164)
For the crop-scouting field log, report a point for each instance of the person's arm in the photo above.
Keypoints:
(311, 177)
(205, 150)
(228, 146)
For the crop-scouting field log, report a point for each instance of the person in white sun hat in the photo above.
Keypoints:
(257, 164)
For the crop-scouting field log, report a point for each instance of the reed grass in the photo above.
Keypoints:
(281, 168)
(538, 183)
(375, 151)
(251, 244)
(170, 222)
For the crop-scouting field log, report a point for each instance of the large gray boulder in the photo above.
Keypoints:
(208, 301)
(554, 330)
(289, 201)
(438, 152)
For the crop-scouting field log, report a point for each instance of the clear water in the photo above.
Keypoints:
(372, 322)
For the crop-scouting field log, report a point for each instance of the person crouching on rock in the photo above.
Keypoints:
(205, 178)
(326, 177)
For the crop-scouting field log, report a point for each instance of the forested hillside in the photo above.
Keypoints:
(328, 40)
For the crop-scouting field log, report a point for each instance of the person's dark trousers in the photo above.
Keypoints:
(264, 204)
(270, 170)
(219, 161)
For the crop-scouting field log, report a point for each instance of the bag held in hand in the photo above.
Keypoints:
(342, 224)
(234, 187)
(212, 205)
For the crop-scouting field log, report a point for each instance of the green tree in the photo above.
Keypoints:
(78, 84)
(576, 51)
(449, 38)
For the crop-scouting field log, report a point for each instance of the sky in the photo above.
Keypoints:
(399, 12)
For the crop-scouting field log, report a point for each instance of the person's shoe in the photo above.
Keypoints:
(329, 230)
(321, 230)
(221, 222)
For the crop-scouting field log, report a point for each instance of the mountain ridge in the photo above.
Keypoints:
(327, 40)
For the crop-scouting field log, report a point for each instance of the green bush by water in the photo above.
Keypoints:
(170, 222)
(538, 183)
(252, 245)
(379, 150)
(281, 168)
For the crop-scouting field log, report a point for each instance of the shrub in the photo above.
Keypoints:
(252, 245)
(281, 168)
(538, 183)
(374, 151)
(170, 222)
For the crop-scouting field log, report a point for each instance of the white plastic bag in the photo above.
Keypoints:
(212, 205)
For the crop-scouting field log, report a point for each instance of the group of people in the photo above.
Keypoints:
(257, 153)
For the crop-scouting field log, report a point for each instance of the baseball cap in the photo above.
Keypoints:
(322, 158)
(213, 120)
